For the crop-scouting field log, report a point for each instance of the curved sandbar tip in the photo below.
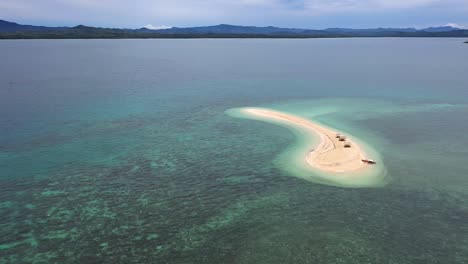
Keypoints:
(336, 159)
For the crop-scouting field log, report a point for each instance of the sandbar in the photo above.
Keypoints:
(330, 155)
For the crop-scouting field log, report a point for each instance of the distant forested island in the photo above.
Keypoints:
(11, 30)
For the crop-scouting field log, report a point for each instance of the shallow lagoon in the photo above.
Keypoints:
(120, 151)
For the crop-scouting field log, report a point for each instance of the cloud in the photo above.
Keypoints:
(149, 26)
(455, 25)
(351, 6)
(405, 3)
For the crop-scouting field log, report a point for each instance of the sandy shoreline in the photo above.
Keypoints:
(330, 155)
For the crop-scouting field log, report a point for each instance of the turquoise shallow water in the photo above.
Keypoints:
(121, 151)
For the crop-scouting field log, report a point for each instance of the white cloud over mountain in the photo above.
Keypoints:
(455, 25)
(149, 26)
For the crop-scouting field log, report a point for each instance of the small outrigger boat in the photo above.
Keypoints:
(369, 161)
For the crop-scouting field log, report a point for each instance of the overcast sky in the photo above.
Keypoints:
(285, 13)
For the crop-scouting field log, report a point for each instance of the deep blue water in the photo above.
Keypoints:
(119, 151)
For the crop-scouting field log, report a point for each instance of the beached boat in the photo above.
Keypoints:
(369, 161)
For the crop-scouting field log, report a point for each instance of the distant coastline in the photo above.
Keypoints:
(11, 30)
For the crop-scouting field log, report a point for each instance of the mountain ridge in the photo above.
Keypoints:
(7, 26)
(11, 30)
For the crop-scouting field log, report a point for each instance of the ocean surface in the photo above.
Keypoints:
(120, 151)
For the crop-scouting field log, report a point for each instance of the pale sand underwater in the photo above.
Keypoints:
(337, 159)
